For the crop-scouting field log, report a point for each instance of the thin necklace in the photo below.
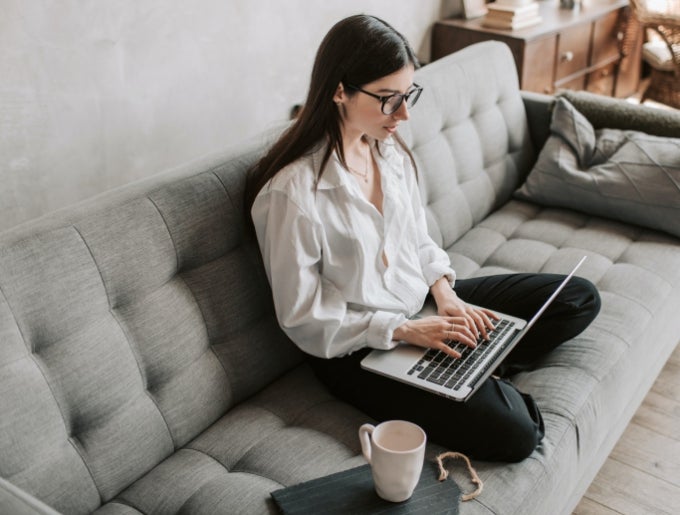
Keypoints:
(364, 175)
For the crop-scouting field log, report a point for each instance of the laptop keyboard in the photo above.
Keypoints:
(440, 368)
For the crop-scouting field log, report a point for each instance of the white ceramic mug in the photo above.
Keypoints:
(396, 451)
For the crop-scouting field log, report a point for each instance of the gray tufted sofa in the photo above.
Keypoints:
(142, 369)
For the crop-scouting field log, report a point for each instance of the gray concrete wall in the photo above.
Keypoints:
(95, 94)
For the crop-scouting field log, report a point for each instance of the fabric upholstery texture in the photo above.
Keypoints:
(585, 386)
(17, 502)
(127, 334)
(471, 144)
(625, 175)
(142, 369)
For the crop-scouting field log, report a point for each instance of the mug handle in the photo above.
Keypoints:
(364, 432)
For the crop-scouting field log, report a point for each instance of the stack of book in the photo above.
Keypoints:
(511, 14)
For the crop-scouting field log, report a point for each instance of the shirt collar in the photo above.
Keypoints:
(335, 175)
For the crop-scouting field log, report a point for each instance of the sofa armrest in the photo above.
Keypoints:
(18, 502)
(538, 109)
(615, 113)
(602, 112)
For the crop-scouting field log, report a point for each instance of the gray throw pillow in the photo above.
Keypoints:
(624, 175)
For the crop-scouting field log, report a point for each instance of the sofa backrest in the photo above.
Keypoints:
(127, 327)
(470, 137)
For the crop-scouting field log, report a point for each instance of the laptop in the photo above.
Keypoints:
(456, 379)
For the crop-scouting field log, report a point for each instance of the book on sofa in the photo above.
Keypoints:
(351, 491)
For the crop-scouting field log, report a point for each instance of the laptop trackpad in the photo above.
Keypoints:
(403, 360)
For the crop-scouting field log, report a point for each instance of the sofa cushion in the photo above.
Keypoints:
(658, 55)
(589, 387)
(290, 432)
(625, 175)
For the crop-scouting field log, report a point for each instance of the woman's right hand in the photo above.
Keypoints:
(434, 332)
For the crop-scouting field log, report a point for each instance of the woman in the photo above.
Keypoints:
(342, 232)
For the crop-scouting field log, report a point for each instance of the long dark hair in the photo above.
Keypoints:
(357, 50)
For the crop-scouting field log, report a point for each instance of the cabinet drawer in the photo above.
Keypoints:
(573, 46)
(537, 68)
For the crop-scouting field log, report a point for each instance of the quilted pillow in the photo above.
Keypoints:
(624, 175)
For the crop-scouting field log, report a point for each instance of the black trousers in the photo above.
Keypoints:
(498, 423)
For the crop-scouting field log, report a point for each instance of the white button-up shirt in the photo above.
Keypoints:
(323, 246)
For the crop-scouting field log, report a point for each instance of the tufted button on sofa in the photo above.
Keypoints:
(142, 369)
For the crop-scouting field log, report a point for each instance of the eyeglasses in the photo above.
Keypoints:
(390, 104)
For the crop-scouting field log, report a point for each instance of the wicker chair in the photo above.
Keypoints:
(663, 56)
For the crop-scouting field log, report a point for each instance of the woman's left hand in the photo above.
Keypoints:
(478, 320)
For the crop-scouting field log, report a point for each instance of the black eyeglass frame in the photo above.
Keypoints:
(384, 99)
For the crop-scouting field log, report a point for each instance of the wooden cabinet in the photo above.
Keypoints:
(570, 49)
